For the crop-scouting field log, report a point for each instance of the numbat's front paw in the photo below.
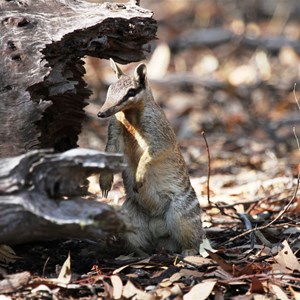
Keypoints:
(106, 181)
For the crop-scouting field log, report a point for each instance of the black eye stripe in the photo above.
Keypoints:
(131, 93)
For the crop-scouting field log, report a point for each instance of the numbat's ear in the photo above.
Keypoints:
(115, 68)
(140, 74)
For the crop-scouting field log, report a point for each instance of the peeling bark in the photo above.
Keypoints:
(42, 92)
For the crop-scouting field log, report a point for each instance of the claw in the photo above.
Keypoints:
(105, 193)
(105, 182)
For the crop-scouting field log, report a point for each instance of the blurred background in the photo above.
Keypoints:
(230, 69)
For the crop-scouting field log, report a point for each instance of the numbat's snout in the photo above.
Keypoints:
(160, 200)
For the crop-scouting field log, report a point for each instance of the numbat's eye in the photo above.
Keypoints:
(131, 93)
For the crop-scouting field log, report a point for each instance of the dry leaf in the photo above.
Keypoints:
(117, 286)
(64, 276)
(116, 271)
(197, 260)
(278, 291)
(250, 268)
(108, 290)
(296, 295)
(169, 281)
(164, 293)
(132, 275)
(286, 259)
(188, 273)
(205, 245)
(256, 286)
(221, 262)
(130, 290)
(176, 290)
(200, 291)
(41, 288)
(165, 282)
(175, 277)
(260, 297)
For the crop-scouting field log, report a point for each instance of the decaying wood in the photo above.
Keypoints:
(41, 44)
(40, 196)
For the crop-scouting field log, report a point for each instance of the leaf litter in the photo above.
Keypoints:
(242, 94)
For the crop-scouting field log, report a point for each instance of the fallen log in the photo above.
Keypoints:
(41, 197)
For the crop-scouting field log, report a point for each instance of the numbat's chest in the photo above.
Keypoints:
(131, 133)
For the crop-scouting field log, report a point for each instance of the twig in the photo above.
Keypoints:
(296, 98)
(208, 171)
(273, 221)
(296, 137)
(45, 264)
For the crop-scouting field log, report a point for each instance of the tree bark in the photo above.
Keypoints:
(42, 92)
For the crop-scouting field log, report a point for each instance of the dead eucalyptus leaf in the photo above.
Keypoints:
(286, 259)
(64, 276)
(278, 291)
(205, 245)
(117, 286)
(200, 291)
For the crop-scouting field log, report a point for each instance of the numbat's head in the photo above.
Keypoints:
(126, 93)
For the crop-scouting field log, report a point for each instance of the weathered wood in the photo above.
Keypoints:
(39, 197)
(42, 93)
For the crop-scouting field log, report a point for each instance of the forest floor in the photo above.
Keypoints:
(235, 85)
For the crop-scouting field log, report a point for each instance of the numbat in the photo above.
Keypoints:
(160, 200)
